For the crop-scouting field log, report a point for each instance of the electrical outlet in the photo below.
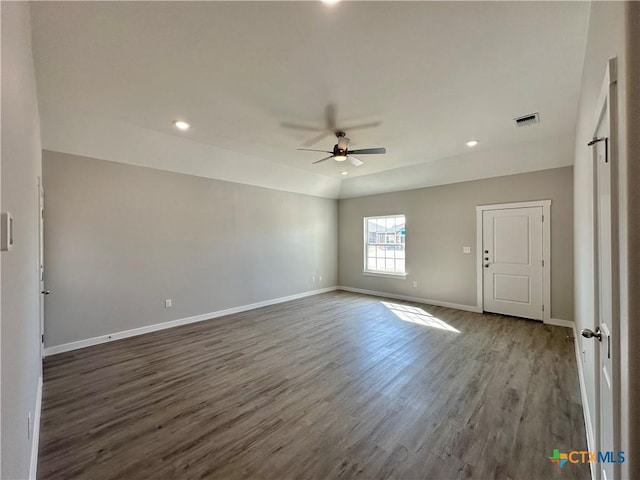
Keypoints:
(319, 278)
(29, 426)
(466, 249)
(415, 284)
(168, 303)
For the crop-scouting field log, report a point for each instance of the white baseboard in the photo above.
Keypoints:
(561, 323)
(457, 306)
(66, 347)
(35, 433)
(591, 444)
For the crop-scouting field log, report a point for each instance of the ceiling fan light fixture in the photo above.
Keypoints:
(340, 158)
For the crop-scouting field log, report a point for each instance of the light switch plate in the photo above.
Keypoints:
(6, 243)
(466, 249)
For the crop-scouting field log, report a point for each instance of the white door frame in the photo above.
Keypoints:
(607, 100)
(41, 284)
(546, 251)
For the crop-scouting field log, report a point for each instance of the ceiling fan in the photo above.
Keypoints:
(341, 152)
(331, 126)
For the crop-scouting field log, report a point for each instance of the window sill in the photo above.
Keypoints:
(397, 276)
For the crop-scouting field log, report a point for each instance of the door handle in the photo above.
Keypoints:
(486, 265)
(587, 333)
(46, 292)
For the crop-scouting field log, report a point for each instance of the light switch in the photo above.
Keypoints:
(466, 249)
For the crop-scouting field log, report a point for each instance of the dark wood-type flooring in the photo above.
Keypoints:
(333, 386)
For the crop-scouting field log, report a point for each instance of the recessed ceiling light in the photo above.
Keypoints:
(344, 173)
(330, 2)
(472, 143)
(181, 125)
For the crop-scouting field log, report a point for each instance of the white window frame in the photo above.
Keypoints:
(365, 244)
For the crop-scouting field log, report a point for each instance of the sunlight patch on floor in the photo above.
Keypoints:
(418, 316)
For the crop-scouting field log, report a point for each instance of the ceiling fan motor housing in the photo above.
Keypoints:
(341, 147)
(339, 154)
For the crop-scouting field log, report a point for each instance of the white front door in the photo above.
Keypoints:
(512, 256)
(606, 306)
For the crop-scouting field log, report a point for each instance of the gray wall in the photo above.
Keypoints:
(441, 220)
(121, 239)
(21, 166)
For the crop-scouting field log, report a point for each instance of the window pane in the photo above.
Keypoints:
(385, 244)
(371, 264)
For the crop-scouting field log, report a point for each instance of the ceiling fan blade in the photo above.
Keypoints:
(314, 150)
(301, 127)
(316, 139)
(367, 151)
(354, 161)
(331, 117)
(364, 125)
(323, 159)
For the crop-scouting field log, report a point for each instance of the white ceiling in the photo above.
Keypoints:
(112, 76)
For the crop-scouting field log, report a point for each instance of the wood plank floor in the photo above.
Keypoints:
(333, 386)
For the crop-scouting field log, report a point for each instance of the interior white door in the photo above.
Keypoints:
(512, 251)
(43, 292)
(605, 287)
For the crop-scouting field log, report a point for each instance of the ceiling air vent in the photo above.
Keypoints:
(527, 120)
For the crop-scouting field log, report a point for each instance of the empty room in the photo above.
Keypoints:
(320, 240)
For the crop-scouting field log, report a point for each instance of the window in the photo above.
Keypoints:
(384, 245)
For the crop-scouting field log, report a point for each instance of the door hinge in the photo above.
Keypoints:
(543, 308)
(42, 338)
(542, 218)
(543, 262)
